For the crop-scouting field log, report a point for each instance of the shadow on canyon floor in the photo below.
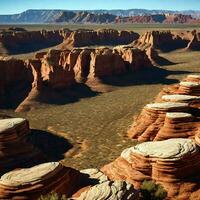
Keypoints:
(148, 76)
(53, 147)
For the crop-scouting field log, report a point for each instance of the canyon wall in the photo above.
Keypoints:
(35, 79)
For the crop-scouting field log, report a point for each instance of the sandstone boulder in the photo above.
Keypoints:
(104, 189)
(15, 151)
(31, 183)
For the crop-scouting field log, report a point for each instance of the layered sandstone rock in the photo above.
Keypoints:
(31, 183)
(152, 119)
(15, 152)
(188, 88)
(173, 163)
(83, 37)
(99, 187)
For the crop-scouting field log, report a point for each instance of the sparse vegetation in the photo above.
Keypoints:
(53, 196)
(152, 191)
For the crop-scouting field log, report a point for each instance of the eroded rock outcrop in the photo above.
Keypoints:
(175, 113)
(31, 183)
(15, 151)
(37, 80)
(162, 40)
(100, 187)
(80, 38)
(173, 163)
(15, 42)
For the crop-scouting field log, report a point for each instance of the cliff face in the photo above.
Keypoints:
(167, 41)
(16, 42)
(81, 38)
(60, 69)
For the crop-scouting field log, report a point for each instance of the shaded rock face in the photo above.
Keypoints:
(31, 183)
(82, 38)
(173, 163)
(16, 42)
(15, 78)
(15, 151)
(174, 115)
(44, 79)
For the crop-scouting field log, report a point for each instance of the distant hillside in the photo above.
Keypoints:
(85, 17)
(159, 18)
(77, 16)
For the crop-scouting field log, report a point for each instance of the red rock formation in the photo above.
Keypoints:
(60, 69)
(162, 40)
(83, 37)
(152, 119)
(176, 113)
(15, 152)
(173, 163)
(13, 41)
(31, 183)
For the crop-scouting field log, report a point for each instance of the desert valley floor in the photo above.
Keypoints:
(96, 126)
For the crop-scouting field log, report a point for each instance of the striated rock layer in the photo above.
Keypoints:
(175, 113)
(31, 183)
(15, 152)
(173, 163)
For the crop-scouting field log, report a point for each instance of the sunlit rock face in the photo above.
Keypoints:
(174, 163)
(152, 119)
(174, 114)
(31, 183)
(37, 80)
(15, 152)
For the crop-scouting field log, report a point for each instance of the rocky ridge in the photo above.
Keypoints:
(60, 69)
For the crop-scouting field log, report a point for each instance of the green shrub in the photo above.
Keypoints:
(152, 191)
(53, 196)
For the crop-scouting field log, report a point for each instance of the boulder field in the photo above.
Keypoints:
(175, 113)
(35, 79)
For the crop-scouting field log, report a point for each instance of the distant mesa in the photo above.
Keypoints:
(102, 16)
